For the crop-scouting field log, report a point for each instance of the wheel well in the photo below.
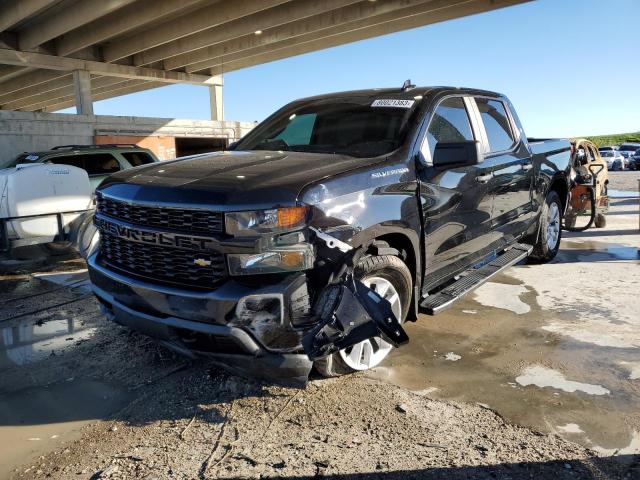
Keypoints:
(559, 185)
(406, 252)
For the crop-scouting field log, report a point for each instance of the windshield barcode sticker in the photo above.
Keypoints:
(393, 103)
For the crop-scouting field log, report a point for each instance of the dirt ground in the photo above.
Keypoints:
(476, 394)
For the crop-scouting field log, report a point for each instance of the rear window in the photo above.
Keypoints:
(606, 153)
(93, 163)
(136, 159)
(496, 123)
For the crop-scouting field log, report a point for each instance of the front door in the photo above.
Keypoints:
(456, 202)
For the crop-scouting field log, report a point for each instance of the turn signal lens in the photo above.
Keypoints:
(291, 216)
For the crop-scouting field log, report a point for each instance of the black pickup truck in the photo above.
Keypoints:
(336, 219)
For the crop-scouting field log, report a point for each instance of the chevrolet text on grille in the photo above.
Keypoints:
(185, 242)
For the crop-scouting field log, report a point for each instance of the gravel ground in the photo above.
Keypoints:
(184, 420)
(626, 181)
(199, 423)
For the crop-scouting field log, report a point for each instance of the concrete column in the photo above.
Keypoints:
(82, 87)
(216, 99)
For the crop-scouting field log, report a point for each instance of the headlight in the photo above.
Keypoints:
(285, 259)
(265, 221)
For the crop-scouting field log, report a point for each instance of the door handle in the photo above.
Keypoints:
(527, 166)
(484, 178)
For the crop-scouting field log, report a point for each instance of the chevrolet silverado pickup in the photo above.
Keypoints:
(336, 213)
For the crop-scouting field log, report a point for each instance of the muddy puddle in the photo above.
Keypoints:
(40, 419)
(553, 347)
(42, 405)
(613, 193)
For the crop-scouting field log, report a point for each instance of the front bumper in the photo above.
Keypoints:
(204, 323)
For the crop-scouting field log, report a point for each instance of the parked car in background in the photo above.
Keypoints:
(634, 160)
(615, 160)
(627, 150)
(607, 148)
(99, 161)
(45, 196)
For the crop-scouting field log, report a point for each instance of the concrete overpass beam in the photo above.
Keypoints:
(12, 13)
(82, 87)
(216, 99)
(204, 18)
(276, 16)
(119, 22)
(66, 20)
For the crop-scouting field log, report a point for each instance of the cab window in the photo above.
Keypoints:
(496, 124)
(449, 124)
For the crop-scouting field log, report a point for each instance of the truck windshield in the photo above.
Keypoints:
(340, 128)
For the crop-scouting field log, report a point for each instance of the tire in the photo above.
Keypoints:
(569, 222)
(380, 269)
(58, 248)
(549, 230)
(600, 221)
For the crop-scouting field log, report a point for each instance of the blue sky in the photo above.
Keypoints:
(569, 66)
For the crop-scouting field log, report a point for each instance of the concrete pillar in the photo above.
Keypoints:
(82, 87)
(216, 99)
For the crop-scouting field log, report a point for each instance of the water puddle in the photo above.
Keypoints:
(546, 377)
(30, 341)
(633, 368)
(613, 193)
(40, 419)
(504, 296)
(518, 362)
(570, 428)
(590, 251)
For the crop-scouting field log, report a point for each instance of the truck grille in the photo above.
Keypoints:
(186, 220)
(162, 264)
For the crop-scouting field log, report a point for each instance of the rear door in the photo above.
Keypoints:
(456, 202)
(509, 160)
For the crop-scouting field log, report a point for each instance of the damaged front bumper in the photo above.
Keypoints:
(269, 331)
(206, 323)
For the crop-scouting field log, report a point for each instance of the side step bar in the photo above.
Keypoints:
(473, 278)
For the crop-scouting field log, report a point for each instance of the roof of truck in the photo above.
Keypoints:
(400, 93)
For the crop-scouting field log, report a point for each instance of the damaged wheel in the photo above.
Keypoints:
(390, 278)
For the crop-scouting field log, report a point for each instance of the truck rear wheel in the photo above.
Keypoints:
(391, 279)
(549, 231)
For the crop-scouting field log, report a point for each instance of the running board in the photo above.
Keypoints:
(472, 279)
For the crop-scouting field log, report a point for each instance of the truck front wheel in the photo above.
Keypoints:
(390, 278)
(549, 231)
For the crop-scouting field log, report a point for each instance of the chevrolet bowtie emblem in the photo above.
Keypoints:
(202, 262)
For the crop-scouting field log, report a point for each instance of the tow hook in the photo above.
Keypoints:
(348, 311)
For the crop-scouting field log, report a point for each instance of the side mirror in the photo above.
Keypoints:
(458, 154)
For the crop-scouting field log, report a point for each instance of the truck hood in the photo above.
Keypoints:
(228, 180)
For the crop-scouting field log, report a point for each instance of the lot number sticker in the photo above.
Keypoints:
(393, 103)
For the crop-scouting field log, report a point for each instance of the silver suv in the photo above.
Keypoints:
(99, 161)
